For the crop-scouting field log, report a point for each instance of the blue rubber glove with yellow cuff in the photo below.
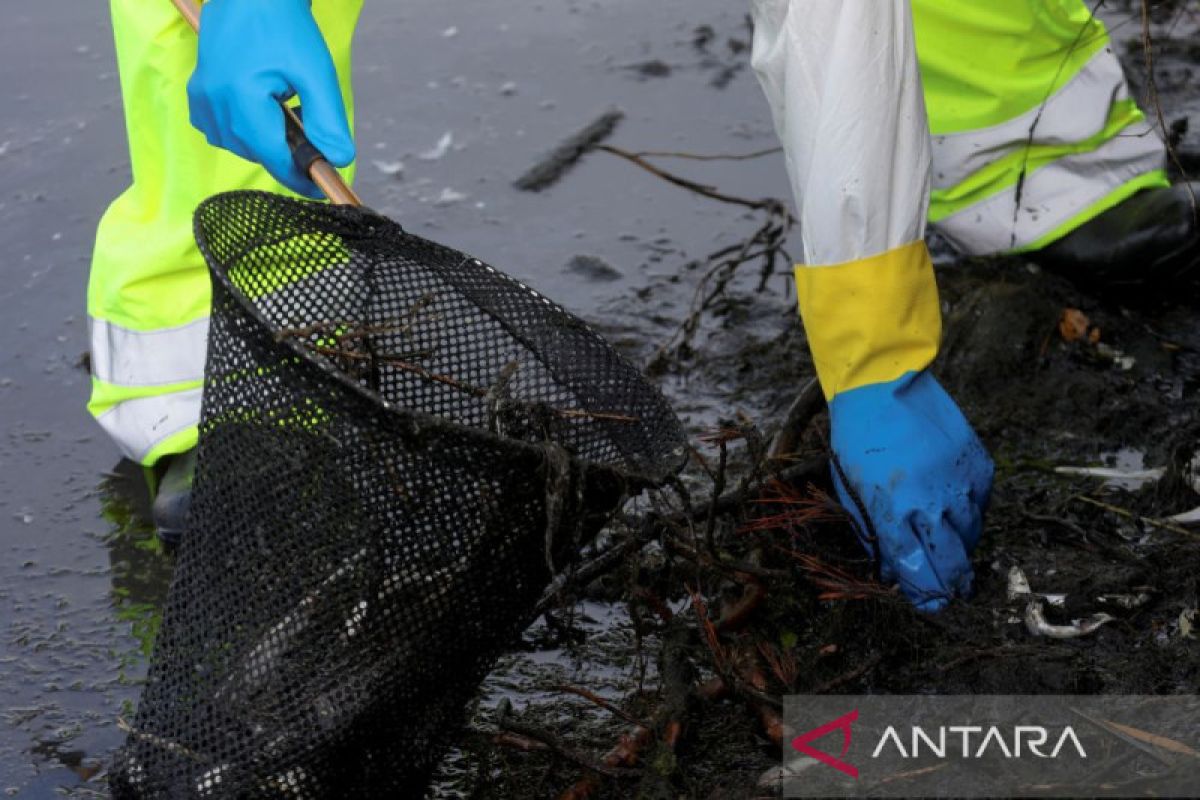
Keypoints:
(908, 466)
(253, 54)
(845, 91)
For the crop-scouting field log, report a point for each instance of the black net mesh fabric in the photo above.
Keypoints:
(399, 446)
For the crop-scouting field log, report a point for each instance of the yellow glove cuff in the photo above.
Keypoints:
(872, 320)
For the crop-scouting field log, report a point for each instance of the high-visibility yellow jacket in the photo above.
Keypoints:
(1025, 100)
(1007, 124)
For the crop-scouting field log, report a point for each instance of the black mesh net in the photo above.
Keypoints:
(399, 447)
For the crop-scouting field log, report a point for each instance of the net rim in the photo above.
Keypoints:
(666, 462)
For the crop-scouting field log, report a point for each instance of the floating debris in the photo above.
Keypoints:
(449, 197)
(593, 268)
(393, 169)
(440, 149)
(561, 159)
(1187, 623)
(654, 68)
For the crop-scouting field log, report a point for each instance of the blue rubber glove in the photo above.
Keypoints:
(252, 54)
(923, 477)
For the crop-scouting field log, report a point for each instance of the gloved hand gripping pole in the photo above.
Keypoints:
(308, 158)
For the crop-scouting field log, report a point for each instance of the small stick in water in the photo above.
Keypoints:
(562, 159)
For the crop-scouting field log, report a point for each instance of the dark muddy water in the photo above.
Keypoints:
(505, 81)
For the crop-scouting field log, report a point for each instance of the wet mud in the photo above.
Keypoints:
(1039, 402)
(458, 100)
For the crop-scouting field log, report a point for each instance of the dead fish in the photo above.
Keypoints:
(1036, 624)
(1019, 589)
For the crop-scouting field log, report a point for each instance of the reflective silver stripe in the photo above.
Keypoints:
(140, 425)
(1053, 194)
(148, 358)
(1075, 112)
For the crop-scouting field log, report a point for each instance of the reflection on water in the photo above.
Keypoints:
(141, 569)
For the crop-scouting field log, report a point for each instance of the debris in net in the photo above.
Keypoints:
(160, 742)
(550, 169)
(1187, 623)
(1036, 624)
(339, 332)
(508, 89)
(392, 169)
(593, 268)
(440, 149)
(380, 594)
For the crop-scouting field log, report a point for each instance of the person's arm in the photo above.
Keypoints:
(843, 83)
(252, 54)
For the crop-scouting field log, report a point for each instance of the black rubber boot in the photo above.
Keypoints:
(173, 500)
(1146, 247)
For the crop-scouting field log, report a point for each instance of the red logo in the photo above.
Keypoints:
(843, 724)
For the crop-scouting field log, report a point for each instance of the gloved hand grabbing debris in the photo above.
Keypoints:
(852, 120)
(922, 477)
(253, 54)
